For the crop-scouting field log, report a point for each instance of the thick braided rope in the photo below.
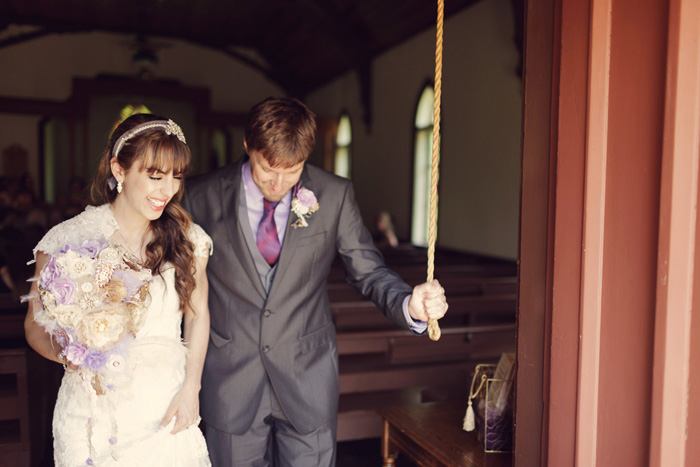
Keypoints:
(433, 326)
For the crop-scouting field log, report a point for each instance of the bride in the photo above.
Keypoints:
(114, 284)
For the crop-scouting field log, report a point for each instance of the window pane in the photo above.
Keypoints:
(342, 162)
(424, 114)
(421, 170)
(344, 137)
(421, 187)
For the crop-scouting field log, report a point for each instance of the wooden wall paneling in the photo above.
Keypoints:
(607, 128)
(692, 446)
(593, 232)
(566, 282)
(634, 146)
(677, 239)
(534, 231)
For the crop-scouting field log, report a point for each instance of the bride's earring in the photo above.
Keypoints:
(120, 187)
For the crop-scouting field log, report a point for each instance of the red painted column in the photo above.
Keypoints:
(673, 433)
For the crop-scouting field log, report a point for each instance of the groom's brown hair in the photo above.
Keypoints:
(282, 130)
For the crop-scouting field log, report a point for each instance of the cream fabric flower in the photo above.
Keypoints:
(77, 265)
(103, 329)
(109, 255)
(67, 316)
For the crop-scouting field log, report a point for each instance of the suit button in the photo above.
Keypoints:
(266, 348)
(267, 313)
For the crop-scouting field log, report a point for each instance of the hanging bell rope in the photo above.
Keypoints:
(433, 326)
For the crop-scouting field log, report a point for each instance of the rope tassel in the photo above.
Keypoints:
(469, 424)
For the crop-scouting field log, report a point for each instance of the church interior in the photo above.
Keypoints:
(559, 199)
(366, 70)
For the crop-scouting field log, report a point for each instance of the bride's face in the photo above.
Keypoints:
(147, 190)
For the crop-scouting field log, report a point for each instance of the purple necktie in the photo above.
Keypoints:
(267, 239)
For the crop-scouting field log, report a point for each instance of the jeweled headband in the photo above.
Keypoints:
(170, 128)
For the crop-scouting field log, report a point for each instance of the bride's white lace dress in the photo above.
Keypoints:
(122, 425)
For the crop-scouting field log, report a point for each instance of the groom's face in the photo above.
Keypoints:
(274, 182)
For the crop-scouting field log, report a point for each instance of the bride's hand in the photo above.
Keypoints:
(184, 407)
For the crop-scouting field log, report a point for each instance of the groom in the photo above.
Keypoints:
(270, 384)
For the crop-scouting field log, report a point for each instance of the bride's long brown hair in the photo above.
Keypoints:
(162, 152)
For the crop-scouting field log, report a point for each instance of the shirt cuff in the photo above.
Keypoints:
(416, 326)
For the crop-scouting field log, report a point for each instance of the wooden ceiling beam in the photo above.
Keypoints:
(278, 76)
(23, 37)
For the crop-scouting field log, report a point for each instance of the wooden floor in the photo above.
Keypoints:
(364, 453)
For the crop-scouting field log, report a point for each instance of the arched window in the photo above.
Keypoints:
(343, 140)
(423, 143)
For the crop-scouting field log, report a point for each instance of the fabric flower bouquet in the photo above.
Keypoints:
(92, 301)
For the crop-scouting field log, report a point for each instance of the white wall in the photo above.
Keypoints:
(481, 114)
(44, 69)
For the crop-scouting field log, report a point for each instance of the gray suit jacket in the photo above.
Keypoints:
(287, 334)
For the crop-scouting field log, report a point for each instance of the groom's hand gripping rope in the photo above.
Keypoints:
(428, 301)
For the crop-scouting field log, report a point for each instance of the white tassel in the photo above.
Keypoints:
(468, 424)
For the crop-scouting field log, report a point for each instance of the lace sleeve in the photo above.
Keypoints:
(50, 242)
(93, 223)
(203, 244)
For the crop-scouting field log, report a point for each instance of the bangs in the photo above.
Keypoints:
(163, 155)
(287, 158)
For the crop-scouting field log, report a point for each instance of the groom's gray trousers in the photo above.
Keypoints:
(272, 441)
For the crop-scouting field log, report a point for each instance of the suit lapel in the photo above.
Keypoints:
(230, 190)
(291, 238)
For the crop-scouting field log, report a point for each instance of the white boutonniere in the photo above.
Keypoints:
(304, 204)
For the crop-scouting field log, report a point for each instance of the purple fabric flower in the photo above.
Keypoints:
(94, 360)
(51, 272)
(75, 353)
(306, 197)
(91, 248)
(67, 248)
(131, 282)
(63, 290)
(88, 248)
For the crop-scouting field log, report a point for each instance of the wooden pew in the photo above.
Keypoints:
(416, 273)
(412, 372)
(382, 365)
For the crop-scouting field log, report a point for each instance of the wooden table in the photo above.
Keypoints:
(431, 434)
